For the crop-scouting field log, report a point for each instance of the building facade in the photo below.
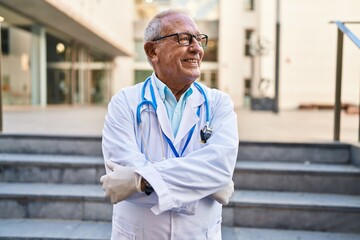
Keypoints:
(241, 56)
(83, 51)
(65, 52)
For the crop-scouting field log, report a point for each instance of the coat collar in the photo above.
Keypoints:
(189, 118)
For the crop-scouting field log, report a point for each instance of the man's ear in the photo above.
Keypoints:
(150, 50)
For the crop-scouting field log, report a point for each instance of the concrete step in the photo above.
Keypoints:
(53, 229)
(249, 151)
(291, 210)
(51, 168)
(44, 229)
(337, 153)
(297, 177)
(259, 209)
(234, 233)
(43, 144)
(54, 201)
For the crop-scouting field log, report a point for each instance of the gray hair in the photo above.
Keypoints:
(155, 26)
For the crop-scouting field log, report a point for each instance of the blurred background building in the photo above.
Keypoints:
(62, 60)
(83, 51)
(65, 52)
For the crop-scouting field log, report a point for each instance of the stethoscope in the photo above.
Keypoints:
(205, 133)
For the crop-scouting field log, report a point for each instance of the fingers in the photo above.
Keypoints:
(119, 183)
(102, 179)
(232, 184)
(111, 165)
(113, 200)
(105, 188)
(108, 191)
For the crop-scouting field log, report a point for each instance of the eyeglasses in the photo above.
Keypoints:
(185, 39)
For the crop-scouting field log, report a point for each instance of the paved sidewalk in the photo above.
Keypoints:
(296, 126)
(290, 126)
(54, 120)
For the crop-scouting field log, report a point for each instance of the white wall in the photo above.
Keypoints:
(16, 68)
(308, 52)
(122, 74)
(231, 49)
(267, 26)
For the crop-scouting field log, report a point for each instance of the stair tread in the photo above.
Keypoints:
(50, 159)
(296, 199)
(51, 190)
(243, 197)
(54, 229)
(238, 233)
(297, 167)
(70, 229)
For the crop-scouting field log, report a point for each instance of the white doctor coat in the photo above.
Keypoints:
(180, 207)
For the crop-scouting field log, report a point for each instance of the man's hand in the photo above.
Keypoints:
(224, 194)
(121, 183)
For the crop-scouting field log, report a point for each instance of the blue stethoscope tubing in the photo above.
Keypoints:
(153, 104)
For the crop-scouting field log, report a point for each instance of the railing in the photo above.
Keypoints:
(339, 58)
(1, 109)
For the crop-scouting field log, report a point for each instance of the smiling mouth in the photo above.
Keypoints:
(191, 60)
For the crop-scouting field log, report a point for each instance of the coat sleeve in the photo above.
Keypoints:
(181, 181)
(119, 140)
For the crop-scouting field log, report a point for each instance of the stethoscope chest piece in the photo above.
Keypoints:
(205, 133)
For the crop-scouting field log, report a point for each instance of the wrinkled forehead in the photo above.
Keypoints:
(178, 22)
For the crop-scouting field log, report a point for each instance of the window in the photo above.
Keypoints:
(249, 5)
(248, 34)
(247, 93)
(209, 78)
(247, 87)
(139, 49)
(211, 51)
(141, 75)
(5, 43)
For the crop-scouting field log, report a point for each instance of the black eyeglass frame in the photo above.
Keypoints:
(190, 40)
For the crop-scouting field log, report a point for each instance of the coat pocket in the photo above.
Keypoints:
(214, 233)
(120, 233)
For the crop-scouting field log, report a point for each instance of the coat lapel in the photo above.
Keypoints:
(160, 111)
(189, 118)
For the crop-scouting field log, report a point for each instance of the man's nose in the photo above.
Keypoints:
(195, 46)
